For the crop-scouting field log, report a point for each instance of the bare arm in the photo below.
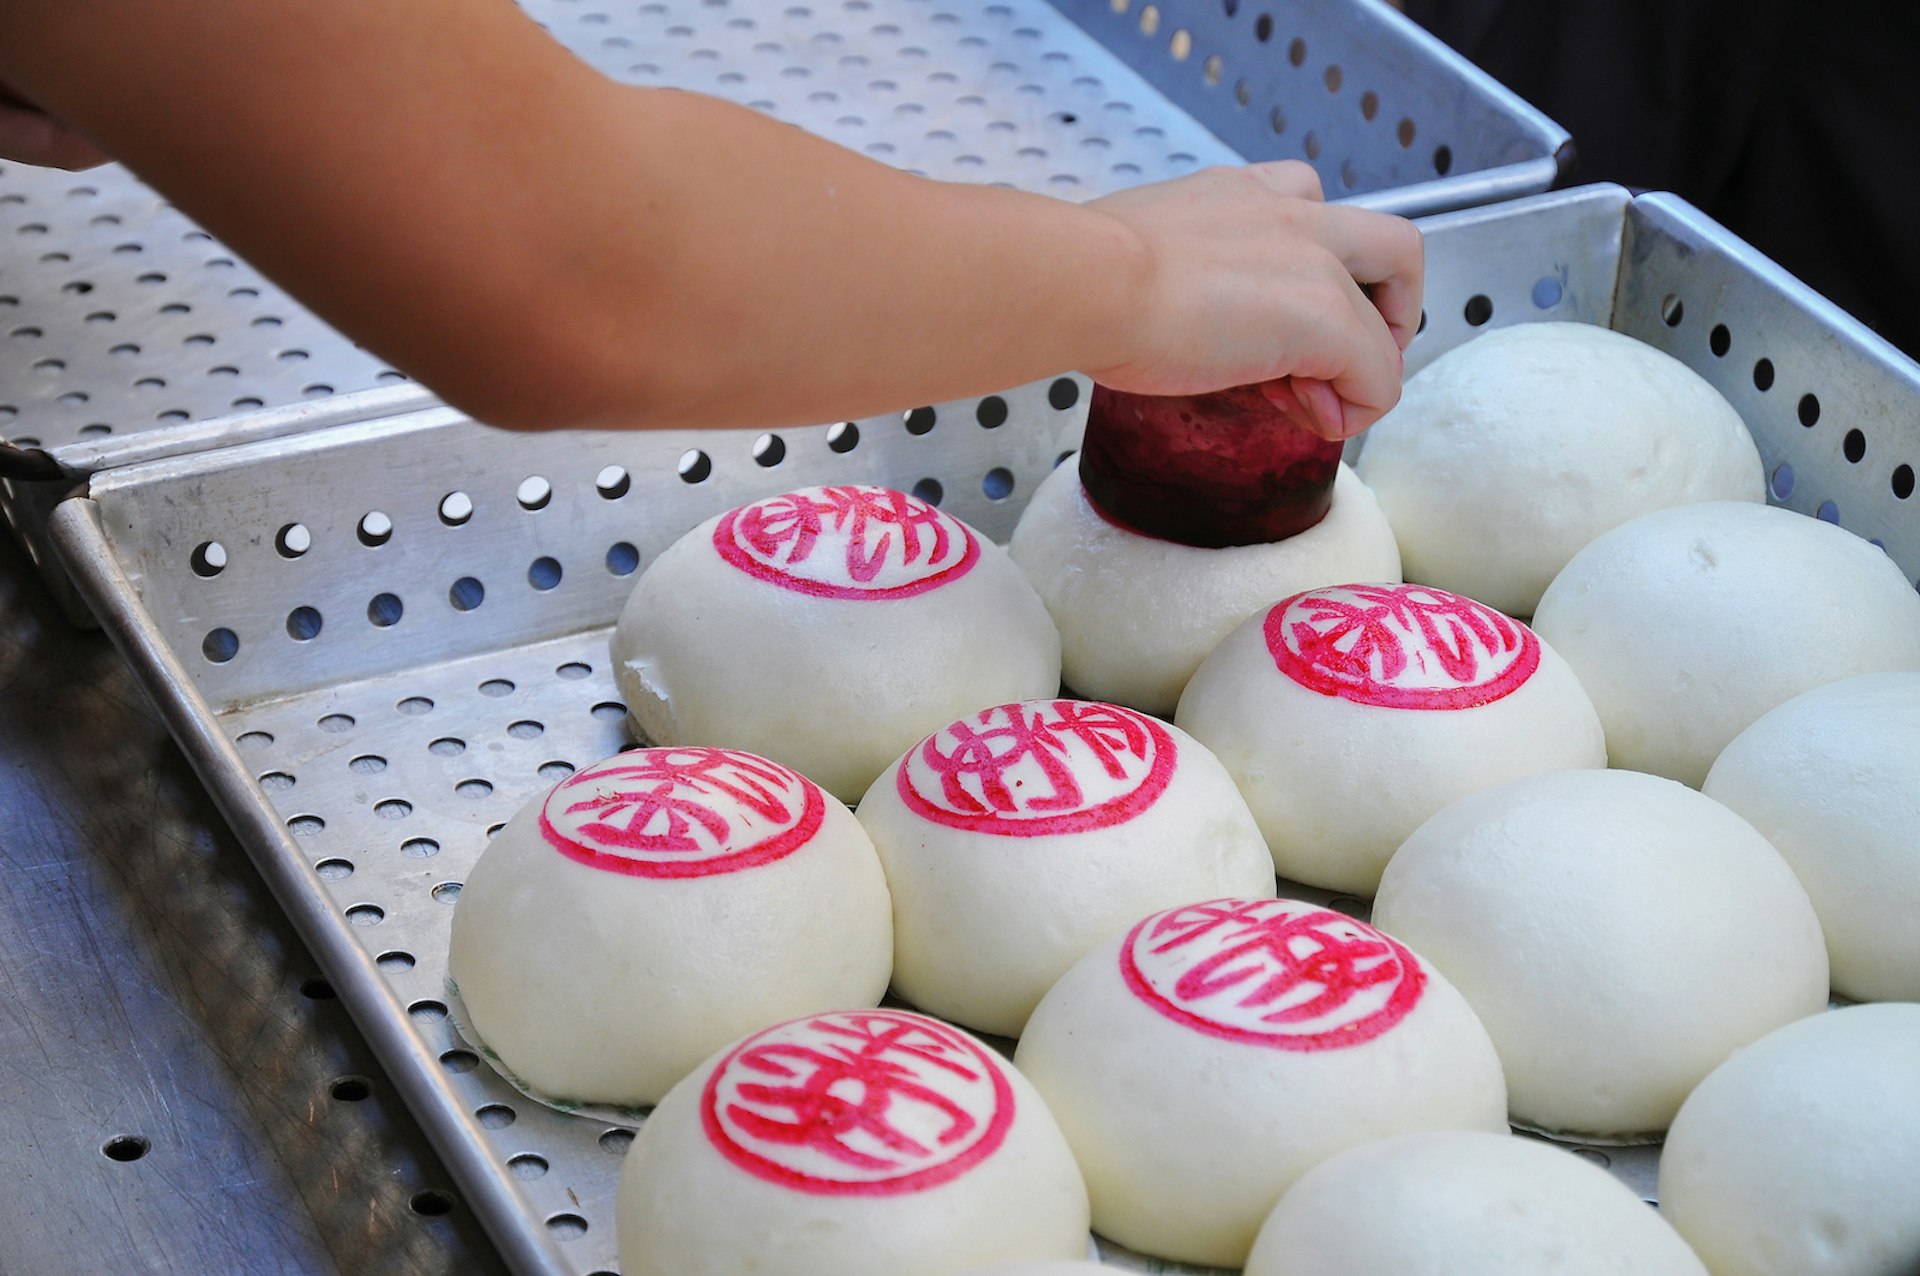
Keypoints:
(453, 189)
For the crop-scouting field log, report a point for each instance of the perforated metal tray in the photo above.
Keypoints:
(130, 334)
(405, 638)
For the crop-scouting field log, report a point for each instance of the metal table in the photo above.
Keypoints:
(179, 1090)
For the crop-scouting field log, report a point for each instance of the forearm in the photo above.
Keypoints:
(453, 190)
(775, 277)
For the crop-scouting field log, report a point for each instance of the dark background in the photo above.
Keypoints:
(1795, 124)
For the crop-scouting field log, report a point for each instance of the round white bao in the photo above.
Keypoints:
(1051, 1267)
(1208, 1057)
(1688, 624)
(1017, 838)
(829, 628)
(1348, 715)
(1507, 455)
(1800, 1156)
(1618, 934)
(1444, 1203)
(654, 906)
(1138, 614)
(856, 1143)
(1832, 778)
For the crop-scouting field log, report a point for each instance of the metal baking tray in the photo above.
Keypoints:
(405, 636)
(130, 334)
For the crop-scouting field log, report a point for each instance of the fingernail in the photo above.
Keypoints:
(1282, 396)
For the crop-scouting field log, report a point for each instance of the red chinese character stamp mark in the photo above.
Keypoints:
(686, 812)
(1040, 768)
(847, 542)
(1272, 972)
(1400, 646)
(858, 1103)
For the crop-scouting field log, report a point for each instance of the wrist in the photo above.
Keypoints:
(1121, 280)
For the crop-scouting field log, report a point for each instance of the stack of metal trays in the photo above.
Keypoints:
(128, 334)
(403, 636)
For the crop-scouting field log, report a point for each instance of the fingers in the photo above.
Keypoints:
(1312, 405)
(1288, 177)
(31, 137)
(1385, 253)
(1347, 373)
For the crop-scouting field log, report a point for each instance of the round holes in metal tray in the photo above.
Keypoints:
(1864, 483)
(462, 747)
(119, 315)
(412, 556)
(1009, 92)
(1280, 86)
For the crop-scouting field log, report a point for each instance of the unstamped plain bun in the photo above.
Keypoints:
(1688, 624)
(1619, 935)
(1459, 1202)
(1832, 779)
(1800, 1156)
(1506, 456)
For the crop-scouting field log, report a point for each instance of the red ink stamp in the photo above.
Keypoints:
(847, 542)
(1400, 646)
(1272, 972)
(1045, 767)
(687, 812)
(858, 1103)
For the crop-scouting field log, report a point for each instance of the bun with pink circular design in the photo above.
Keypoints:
(1213, 1053)
(1800, 1155)
(828, 629)
(1440, 1203)
(1137, 614)
(1349, 714)
(1619, 935)
(1017, 838)
(1686, 625)
(849, 1143)
(1507, 455)
(655, 905)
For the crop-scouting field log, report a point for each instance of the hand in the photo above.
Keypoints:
(31, 136)
(1255, 280)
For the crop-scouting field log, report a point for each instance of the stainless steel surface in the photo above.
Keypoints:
(364, 764)
(37, 480)
(1834, 408)
(1383, 110)
(158, 1007)
(473, 517)
(127, 333)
